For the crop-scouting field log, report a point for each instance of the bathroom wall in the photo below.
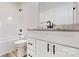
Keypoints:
(8, 25)
(8, 21)
(77, 13)
(59, 13)
(11, 21)
(28, 16)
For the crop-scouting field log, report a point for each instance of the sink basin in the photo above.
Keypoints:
(20, 41)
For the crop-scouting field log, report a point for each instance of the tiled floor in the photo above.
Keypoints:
(12, 54)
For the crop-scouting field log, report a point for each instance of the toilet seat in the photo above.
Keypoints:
(20, 41)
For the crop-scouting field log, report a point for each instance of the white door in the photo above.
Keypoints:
(43, 49)
(64, 51)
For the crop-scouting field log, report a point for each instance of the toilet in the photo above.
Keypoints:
(21, 48)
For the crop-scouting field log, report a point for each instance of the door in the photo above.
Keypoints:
(43, 49)
(64, 51)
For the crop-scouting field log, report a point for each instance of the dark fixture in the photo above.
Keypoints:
(73, 8)
(47, 47)
(20, 30)
(19, 34)
(20, 9)
(50, 24)
(54, 49)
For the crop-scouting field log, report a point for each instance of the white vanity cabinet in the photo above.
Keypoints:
(55, 44)
(64, 51)
(43, 49)
(46, 49)
(38, 48)
(30, 47)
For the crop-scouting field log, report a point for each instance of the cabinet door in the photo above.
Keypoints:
(64, 51)
(30, 44)
(30, 47)
(30, 53)
(43, 49)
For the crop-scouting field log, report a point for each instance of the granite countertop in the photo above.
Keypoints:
(61, 38)
(51, 30)
(71, 27)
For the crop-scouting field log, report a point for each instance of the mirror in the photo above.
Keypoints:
(60, 13)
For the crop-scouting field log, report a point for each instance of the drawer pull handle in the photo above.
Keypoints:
(19, 34)
(29, 55)
(47, 47)
(30, 43)
(54, 49)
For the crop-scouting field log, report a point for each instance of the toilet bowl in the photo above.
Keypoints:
(21, 47)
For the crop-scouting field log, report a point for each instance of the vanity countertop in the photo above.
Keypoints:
(53, 30)
(59, 37)
(69, 27)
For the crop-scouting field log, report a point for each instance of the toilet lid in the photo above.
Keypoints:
(20, 41)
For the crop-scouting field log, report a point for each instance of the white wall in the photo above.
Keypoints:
(8, 25)
(11, 21)
(77, 12)
(27, 18)
(58, 13)
(8, 20)
(30, 14)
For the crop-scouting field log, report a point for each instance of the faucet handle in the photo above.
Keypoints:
(52, 25)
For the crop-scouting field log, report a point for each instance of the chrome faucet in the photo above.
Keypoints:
(50, 24)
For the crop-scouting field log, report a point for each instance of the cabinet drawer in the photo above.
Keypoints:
(30, 53)
(30, 44)
(64, 51)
